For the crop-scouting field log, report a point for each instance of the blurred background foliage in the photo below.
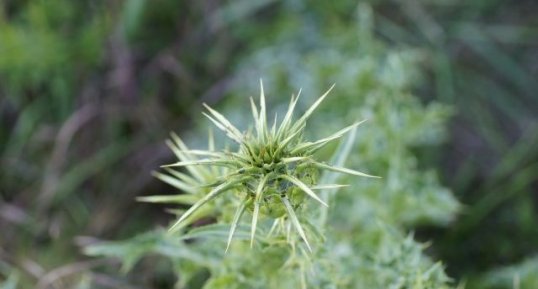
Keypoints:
(90, 89)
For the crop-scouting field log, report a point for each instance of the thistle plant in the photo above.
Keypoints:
(272, 173)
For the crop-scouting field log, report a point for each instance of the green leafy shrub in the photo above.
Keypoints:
(380, 252)
(363, 239)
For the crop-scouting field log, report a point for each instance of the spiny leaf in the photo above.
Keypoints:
(328, 187)
(211, 162)
(181, 176)
(199, 172)
(210, 140)
(181, 199)
(343, 170)
(223, 120)
(177, 140)
(255, 115)
(340, 157)
(273, 128)
(238, 213)
(282, 145)
(307, 114)
(176, 145)
(293, 159)
(221, 155)
(295, 221)
(174, 182)
(215, 230)
(211, 195)
(303, 187)
(222, 127)
(204, 153)
(312, 146)
(202, 212)
(255, 213)
(289, 115)
(262, 123)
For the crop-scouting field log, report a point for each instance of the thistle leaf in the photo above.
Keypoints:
(282, 145)
(176, 145)
(295, 221)
(255, 115)
(303, 187)
(293, 159)
(255, 213)
(262, 123)
(309, 112)
(215, 230)
(181, 176)
(180, 199)
(238, 213)
(313, 146)
(273, 128)
(224, 121)
(175, 182)
(227, 130)
(204, 153)
(289, 115)
(343, 170)
(210, 140)
(328, 187)
(211, 162)
(220, 155)
(211, 195)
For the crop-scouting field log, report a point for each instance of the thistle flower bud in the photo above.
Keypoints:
(273, 171)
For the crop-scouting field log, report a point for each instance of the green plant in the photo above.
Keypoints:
(271, 172)
(362, 239)
(272, 177)
(521, 275)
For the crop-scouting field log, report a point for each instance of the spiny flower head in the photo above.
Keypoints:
(272, 172)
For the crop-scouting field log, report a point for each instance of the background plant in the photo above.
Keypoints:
(84, 122)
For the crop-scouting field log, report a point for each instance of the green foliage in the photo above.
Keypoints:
(88, 89)
(9, 277)
(277, 261)
(45, 46)
(479, 58)
(141, 18)
(10, 283)
(372, 84)
(361, 239)
(522, 275)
